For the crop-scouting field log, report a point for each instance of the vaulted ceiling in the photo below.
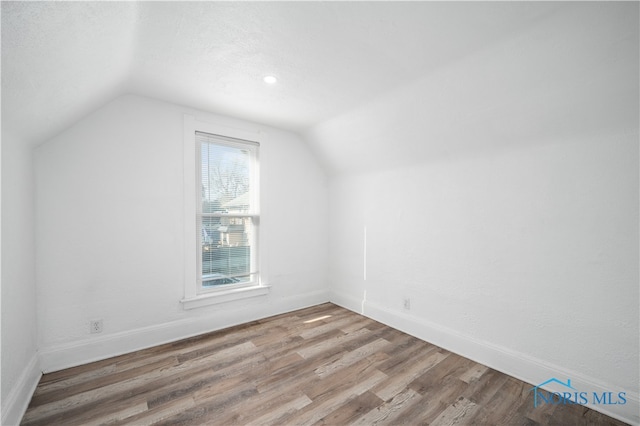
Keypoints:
(368, 85)
(61, 60)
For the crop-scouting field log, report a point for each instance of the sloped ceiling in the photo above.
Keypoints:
(571, 76)
(62, 60)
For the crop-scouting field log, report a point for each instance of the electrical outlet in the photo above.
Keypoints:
(95, 326)
(407, 304)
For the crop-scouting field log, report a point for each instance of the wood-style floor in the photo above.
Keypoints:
(321, 365)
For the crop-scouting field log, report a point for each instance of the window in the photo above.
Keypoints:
(225, 243)
(227, 212)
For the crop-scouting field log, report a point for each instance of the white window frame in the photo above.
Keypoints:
(194, 295)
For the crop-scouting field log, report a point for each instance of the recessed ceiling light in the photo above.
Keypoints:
(270, 79)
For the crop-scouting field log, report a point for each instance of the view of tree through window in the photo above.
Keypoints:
(226, 223)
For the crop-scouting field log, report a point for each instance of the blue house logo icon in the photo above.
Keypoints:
(536, 390)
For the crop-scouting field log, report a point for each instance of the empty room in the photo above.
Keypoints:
(296, 213)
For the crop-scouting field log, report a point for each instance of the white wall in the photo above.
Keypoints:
(500, 194)
(20, 371)
(534, 250)
(110, 232)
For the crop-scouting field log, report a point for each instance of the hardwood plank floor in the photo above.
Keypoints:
(320, 365)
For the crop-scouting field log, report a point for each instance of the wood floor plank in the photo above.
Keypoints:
(474, 373)
(158, 414)
(91, 367)
(397, 382)
(291, 374)
(211, 406)
(388, 411)
(357, 324)
(274, 417)
(350, 358)
(267, 405)
(315, 411)
(326, 326)
(445, 371)
(319, 365)
(482, 390)
(66, 382)
(350, 411)
(112, 415)
(117, 378)
(130, 387)
(335, 342)
(499, 407)
(441, 398)
(528, 414)
(351, 378)
(457, 413)
(402, 343)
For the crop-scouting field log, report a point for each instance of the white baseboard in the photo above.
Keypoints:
(16, 403)
(515, 364)
(106, 346)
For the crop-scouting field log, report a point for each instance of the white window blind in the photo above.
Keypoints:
(227, 211)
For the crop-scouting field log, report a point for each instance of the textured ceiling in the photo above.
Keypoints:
(62, 60)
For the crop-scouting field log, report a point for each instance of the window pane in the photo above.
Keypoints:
(226, 178)
(226, 250)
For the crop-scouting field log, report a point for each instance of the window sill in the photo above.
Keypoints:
(224, 296)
